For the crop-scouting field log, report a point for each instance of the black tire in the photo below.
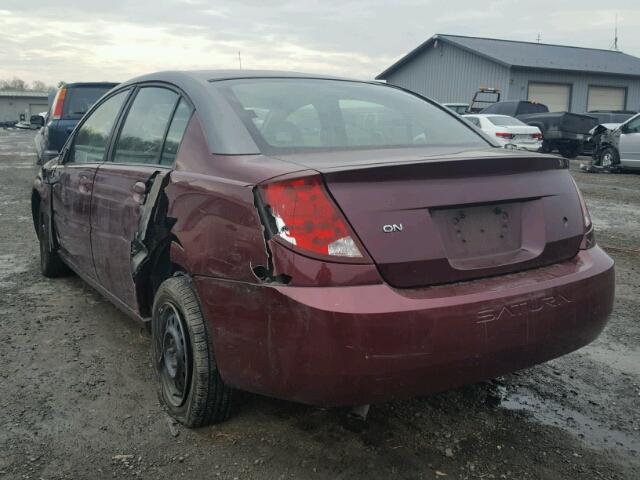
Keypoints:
(547, 147)
(189, 383)
(569, 151)
(51, 265)
(609, 158)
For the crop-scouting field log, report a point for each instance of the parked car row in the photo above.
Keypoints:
(569, 133)
(327, 241)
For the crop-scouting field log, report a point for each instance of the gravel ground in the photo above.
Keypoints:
(77, 397)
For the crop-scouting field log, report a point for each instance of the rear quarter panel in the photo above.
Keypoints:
(217, 226)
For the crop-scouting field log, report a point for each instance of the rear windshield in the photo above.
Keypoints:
(506, 121)
(79, 99)
(284, 115)
(515, 108)
(529, 107)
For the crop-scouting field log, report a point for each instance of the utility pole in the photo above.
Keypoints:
(538, 38)
(239, 59)
(614, 45)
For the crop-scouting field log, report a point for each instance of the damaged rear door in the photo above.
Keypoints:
(128, 186)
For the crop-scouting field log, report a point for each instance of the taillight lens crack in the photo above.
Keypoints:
(306, 217)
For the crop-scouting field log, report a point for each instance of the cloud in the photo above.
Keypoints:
(77, 40)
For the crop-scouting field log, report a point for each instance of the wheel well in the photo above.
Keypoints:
(159, 267)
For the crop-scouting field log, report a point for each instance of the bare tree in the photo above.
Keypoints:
(39, 86)
(21, 85)
(14, 84)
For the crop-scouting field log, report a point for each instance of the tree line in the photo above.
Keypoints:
(22, 86)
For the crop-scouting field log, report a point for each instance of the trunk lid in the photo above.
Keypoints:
(456, 216)
(523, 130)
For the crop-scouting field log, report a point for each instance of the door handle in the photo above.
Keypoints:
(139, 190)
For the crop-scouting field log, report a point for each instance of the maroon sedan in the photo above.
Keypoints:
(328, 241)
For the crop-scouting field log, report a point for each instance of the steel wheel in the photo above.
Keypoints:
(188, 381)
(174, 362)
(609, 158)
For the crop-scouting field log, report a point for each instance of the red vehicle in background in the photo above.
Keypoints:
(328, 241)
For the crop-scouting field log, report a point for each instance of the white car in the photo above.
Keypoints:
(459, 108)
(508, 131)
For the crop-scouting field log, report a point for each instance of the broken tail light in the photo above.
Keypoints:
(306, 218)
(589, 239)
(58, 103)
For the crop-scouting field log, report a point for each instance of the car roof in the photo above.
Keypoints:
(232, 74)
(486, 115)
(91, 84)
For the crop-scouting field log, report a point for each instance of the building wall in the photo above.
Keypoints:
(580, 82)
(12, 107)
(446, 73)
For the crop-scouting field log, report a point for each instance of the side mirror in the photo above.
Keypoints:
(36, 120)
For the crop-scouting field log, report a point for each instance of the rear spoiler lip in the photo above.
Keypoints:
(327, 162)
(448, 168)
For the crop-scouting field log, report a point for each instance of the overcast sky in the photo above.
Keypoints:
(83, 40)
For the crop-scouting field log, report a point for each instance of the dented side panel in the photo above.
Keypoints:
(216, 225)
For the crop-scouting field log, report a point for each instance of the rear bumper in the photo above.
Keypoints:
(365, 344)
(528, 146)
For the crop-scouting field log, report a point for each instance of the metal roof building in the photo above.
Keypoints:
(16, 105)
(450, 68)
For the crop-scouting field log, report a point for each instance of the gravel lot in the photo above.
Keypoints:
(77, 397)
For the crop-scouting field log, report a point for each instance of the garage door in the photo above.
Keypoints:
(554, 96)
(34, 109)
(606, 98)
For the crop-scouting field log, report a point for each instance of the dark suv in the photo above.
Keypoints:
(69, 105)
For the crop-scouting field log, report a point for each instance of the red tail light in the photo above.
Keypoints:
(306, 217)
(504, 135)
(537, 136)
(58, 103)
(589, 239)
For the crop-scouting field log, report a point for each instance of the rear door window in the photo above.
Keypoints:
(92, 138)
(78, 100)
(506, 121)
(142, 134)
(176, 132)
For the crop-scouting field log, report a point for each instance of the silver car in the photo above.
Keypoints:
(620, 147)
